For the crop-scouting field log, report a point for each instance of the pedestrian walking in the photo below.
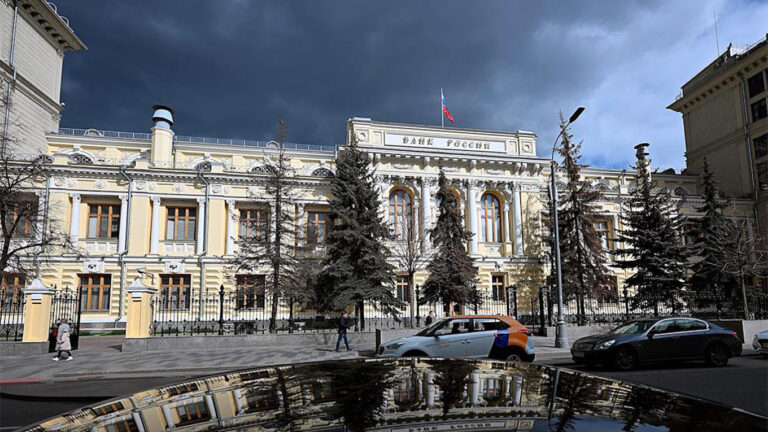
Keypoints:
(430, 318)
(63, 344)
(343, 324)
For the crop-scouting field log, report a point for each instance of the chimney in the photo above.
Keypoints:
(162, 136)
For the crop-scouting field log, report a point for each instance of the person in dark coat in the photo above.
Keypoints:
(430, 318)
(343, 324)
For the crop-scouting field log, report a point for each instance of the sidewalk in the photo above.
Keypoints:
(99, 356)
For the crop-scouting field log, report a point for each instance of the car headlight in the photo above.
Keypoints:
(605, 345)
(393, 346)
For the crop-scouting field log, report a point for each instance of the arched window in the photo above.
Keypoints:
(401, 214)
(490, 220)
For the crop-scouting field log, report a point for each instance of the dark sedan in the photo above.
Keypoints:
(658, 339)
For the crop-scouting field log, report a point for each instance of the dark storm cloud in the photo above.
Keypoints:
(233, 68)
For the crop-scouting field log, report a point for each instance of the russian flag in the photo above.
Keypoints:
(445, 108)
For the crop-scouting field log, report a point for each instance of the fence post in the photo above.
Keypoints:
(138, 317)
(37, 313)
(514, 299)
(626, 303)
(221, 309)
(506, 295)
(418, 315)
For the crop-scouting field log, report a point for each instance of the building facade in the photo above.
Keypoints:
(725, 117)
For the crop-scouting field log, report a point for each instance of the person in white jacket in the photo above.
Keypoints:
(63, 344)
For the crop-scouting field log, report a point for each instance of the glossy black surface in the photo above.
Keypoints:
(407, 395)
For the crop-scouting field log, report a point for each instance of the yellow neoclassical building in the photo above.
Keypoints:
(174, 207)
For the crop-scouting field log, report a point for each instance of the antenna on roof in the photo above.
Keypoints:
(717, 40)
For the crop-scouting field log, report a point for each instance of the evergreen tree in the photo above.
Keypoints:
(583, 260)
(707, 278)
(356, 268)
(452, 275)
(652, 237)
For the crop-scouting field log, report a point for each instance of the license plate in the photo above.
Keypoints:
(578, 354)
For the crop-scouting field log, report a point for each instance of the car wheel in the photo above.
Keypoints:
(625, 359)
(517, 355)
(717, 355)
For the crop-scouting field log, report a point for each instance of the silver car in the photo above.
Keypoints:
(494, 336)
(760, 342)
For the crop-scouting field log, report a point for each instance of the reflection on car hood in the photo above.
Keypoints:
(406, 394)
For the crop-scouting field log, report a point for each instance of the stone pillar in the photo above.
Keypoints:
(154, 239)
(123, 223)
(200, 225)
(516, 198)
(74, 222)
(429, 388)
(37, 312)
(425, 213)
(474, 388)
(138, 318)
(518, 394)
(506, 225)
(301, 234)
(231, 234)
(472, 198)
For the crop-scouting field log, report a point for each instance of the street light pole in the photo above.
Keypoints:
(561, 337)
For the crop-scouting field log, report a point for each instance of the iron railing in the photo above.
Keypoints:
(12, 314)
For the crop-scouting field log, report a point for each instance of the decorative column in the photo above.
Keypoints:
(615, 231)
(507, 225)
(518, 220)
(154, 238)
(474, 388)
(200, 225)
(138, 317)
(302, 218)
(123, 223)
(429, 388)
(37, 312)
(74, 223)
(472, 198)
(425, 213)
(231, 215)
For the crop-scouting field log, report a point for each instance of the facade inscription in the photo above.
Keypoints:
(445, 143)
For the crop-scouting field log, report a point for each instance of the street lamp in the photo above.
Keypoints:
(561, 338)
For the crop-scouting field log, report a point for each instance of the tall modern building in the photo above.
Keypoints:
(33, 40)
(725, 116)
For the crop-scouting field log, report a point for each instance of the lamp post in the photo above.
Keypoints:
(561, 339)
(418, 315)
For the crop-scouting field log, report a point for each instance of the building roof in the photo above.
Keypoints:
(47, 17)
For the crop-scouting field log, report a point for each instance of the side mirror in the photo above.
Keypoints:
(652, 333)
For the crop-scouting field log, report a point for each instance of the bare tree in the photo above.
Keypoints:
(270, 234)
(744, 255)
(412, 257)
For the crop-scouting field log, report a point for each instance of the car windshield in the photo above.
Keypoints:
(633, 327)
(431, 328)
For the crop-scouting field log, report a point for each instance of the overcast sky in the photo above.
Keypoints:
(233, 68)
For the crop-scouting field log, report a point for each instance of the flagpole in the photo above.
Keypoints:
(442, 117)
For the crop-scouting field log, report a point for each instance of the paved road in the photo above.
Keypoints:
(743, 383)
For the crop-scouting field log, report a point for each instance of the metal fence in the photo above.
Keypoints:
(11, 315)
(221, 312)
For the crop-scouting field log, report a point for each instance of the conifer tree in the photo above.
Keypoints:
(652, 236)
(452, 275)
(708, 278)
(356, 268)
(583, 259)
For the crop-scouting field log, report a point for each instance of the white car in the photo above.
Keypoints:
(760, 342)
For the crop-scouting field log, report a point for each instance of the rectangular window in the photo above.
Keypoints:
(759, 110)
(756, 84)
(182, 223)
(261, 399)
(762, 175)
(20, 217)
(497, 287)
(196, 412)
(601, 229)
(175, 291)
(761, 146)
(127, 425)
(94, 291)
(12, 295)
(318, 227)
(403, 288)
(254, 223)
(108, 408)
(249, 292)
(103, 220)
